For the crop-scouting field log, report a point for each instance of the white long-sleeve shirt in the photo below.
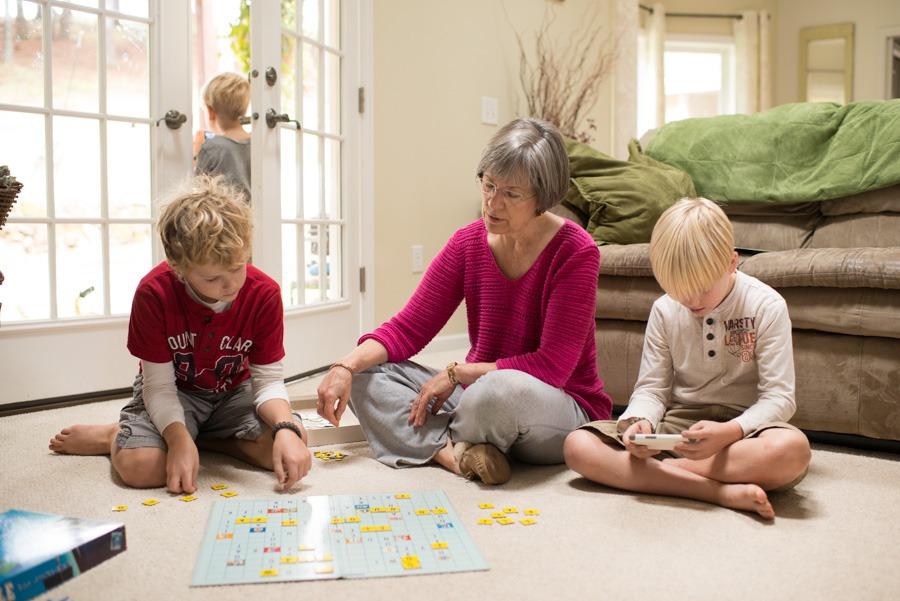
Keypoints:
(739, 355)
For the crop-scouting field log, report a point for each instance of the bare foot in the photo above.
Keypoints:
(748, 497)
(92, 439)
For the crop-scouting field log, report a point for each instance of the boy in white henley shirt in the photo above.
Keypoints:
(717, 368)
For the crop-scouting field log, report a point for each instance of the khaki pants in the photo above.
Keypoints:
(679, 418)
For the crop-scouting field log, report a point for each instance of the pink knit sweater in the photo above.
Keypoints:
(541, 323)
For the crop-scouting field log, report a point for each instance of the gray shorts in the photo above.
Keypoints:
(225, 415)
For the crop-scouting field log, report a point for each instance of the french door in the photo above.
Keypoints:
(84, 90)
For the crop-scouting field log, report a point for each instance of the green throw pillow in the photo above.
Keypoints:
(622, 199)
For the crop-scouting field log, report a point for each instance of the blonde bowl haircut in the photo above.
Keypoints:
(691, 247)
(206, 222)
(229, 95)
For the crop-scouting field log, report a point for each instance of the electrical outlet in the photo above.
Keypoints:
(489, 110)
(418, 259)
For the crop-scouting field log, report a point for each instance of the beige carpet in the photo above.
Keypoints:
(837, 536)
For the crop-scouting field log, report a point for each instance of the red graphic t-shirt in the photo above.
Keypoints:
(211, 351)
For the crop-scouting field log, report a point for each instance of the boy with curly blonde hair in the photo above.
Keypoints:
(207, 328)
(717, 368)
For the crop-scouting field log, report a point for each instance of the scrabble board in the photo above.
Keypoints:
(336, 536)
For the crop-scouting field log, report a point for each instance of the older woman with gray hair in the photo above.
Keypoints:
(529, 280)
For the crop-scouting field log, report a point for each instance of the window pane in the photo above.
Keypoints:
(310, 87)
(25, 292)
(128, 172)
(289, 173)
(312, 183)
(311, 19)
(75, 80)
(79, 270)
(332, 179)
(91, 3)
(289, 14)
(138, 8)
(130, 258)
(76, 167)
(312, 291)
(289, 75)
(21, 60)
(333, 263)
(332, 93)
(290, 287)
(693, 84)
(22, 147)
(333, 23)
(128, 68)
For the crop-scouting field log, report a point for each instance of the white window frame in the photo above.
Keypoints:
(102, 117)
(712, 44)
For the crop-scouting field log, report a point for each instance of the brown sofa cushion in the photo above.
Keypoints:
(885, 200)
(772, 227)
(853, 311)
(856, 231)
(828, 268)
(625, 260)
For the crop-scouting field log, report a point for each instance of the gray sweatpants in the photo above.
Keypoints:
(516, 412)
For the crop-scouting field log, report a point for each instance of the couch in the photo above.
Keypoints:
(836, 262)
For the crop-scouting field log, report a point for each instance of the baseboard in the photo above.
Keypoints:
(450, 342)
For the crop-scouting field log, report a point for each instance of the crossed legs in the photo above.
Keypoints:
(737, 477)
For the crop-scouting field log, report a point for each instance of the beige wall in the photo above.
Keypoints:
(870, 17)
(434, 60)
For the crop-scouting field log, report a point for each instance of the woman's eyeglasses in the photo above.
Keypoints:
(511, 195)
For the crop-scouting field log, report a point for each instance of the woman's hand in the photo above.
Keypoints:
(638, 450)
(291, 458)
(706, 438)
(439, 388)
(334, 394)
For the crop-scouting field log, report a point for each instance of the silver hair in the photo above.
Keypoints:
(534, 149)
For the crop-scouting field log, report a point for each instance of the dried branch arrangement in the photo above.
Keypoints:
(561, 83)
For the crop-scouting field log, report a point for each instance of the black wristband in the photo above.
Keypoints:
(292, 426)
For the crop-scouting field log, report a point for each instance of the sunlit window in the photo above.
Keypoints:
(699, 79)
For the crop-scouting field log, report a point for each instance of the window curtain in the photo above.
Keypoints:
(651, 84)
(753, 81)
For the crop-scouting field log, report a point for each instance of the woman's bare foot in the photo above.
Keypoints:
(92, 439)
(748, 497)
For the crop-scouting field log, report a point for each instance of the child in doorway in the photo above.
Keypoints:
(207, 329)
(227, 150)
(717, 368)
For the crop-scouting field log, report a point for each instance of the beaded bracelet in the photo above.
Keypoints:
(347, 367)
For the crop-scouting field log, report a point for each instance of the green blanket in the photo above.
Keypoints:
(621, 200)
(794, 152)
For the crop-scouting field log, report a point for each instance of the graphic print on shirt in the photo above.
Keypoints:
(220, 377)
(227, 366)
(740, 338)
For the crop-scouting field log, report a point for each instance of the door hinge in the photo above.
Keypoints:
(362, 279)
(361, 97)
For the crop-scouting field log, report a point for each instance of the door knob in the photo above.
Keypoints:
(273, 118)
(173, 118)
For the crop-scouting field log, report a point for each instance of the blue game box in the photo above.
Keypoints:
(39, 551)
